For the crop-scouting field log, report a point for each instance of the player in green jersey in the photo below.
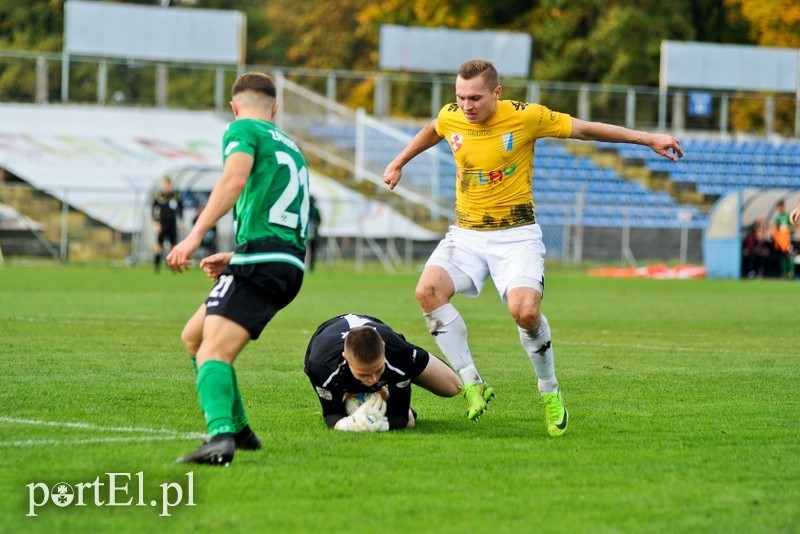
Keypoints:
(782, 239)
(265, 181)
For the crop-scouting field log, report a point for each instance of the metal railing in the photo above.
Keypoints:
(54, 230)
(356, 147)
(359, 146)
(41, 77)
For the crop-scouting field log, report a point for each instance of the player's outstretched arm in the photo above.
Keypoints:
(224, 195)
(662, 144)
(425, 139)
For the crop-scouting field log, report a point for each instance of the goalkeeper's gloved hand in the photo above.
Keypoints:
(374, 418)
(370, 417)
(376, 404)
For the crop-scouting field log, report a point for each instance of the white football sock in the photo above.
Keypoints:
(448, 329)
(538, 344)
(470, 374)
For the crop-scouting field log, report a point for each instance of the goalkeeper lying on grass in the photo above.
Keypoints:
(362, 372)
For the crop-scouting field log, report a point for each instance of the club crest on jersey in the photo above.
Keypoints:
(508, 141)
(455, 141)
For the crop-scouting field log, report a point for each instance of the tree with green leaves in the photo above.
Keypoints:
(592, 41)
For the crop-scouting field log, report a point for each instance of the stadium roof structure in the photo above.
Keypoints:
(107, 162)
(103, 161)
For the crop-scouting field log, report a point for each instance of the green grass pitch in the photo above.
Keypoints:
(683, 395)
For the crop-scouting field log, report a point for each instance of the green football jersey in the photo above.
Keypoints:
(783, 220)
(274, 204)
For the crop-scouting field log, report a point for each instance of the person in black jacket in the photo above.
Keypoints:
(352, 355)
(167, 214)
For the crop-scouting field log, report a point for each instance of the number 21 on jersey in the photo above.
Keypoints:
(280, 212)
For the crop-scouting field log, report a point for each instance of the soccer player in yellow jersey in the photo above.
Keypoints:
(495, 233)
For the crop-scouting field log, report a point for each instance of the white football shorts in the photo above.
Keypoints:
(513, 257)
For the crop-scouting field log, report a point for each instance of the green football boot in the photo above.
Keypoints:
(555, 414)
(478, 396)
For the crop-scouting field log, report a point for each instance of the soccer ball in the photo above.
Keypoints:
(353, 400)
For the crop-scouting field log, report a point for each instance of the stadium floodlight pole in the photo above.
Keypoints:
(219, 90)
(65, 75)
(630, 108)
(330, 86)
(723, 113)
(41, 80)
(360, 144)
(65, 59)
(436, 96)
(102, 82)
(797, 114)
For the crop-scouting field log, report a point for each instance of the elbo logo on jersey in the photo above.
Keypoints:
(492, 177)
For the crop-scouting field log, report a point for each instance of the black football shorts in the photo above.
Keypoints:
(169, 232)
(252, 295)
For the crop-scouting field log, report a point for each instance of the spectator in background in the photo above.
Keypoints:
(167, 213)
(782, 239)
(312, 234)
(756, 249)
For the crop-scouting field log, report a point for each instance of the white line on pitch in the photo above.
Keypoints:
(75, 319)
(90, 441)
(90, 426)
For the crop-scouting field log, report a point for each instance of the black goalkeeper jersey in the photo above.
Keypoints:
(332, 380)
(167, 208)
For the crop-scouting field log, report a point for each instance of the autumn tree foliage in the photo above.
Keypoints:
(593, 41)
(773, 23)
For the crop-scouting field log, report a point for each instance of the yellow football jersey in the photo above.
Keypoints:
(494, 161)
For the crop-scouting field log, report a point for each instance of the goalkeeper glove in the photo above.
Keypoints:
(370, 417)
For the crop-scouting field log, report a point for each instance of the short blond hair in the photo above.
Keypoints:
(480, 67)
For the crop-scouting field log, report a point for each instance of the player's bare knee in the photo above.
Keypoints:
(190, 340)
(527, 317)
(192, 335)
(427, 296)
